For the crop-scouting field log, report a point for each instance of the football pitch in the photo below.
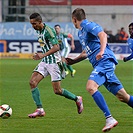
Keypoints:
(61, 113)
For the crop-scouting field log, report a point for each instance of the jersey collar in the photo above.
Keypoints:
(83, 22)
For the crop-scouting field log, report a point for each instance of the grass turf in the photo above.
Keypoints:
(61, 114)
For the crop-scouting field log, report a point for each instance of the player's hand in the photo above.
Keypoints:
(38, 56)
(69, 61)
(124, 59)
(99, 55)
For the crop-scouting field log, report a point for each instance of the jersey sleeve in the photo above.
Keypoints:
(130, 44)
(129, 57)
(65, 35)
(51, 36)
(93, 28)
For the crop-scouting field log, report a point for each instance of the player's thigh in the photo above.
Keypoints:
(95, 80)
(36, 76)
(113, 84)
(97, 77)
(35, 79)
(54, 71)
(42, 69)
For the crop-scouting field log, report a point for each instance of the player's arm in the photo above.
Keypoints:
(72, 40)
(38, 56)
(97, 31)
(81, 57)
(103, 41)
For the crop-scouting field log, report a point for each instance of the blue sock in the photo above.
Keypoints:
(130, 102)
(101, 103)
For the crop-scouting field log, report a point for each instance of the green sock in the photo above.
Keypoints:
(65, 66)
(36, 97)
(70, 68)
(69, 95)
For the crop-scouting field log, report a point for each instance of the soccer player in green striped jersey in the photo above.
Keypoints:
(50, 65)
(65, 47)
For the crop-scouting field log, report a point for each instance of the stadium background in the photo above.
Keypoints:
(18, 39)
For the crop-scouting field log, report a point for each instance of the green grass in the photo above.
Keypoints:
(61, 114)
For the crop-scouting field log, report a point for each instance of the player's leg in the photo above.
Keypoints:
(92, 88)
(67, 94)
(70, 68)
(73, 71)
(36, 77)
(97, 79)
(123, 96)
(56, 83)
(101, 103)
(65, 66)
(65, 52)
(116, 88)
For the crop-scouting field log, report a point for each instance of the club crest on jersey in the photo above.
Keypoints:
(42, 43)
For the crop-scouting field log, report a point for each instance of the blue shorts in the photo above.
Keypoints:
(103, 74)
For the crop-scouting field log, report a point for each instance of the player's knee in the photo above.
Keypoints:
(123, 99)
(90, 89)
(32, 84)
(57, 91)
(123, 96)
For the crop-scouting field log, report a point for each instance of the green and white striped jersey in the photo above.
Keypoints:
(61, 39)
(47, 38)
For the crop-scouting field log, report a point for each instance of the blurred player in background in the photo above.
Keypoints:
(94, 43)
(130, 43)
(50, 65)
(65, 48)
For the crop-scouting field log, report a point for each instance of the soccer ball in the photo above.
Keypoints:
(5, 111)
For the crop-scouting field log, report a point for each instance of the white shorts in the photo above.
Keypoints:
(65, 52)
(50, 69)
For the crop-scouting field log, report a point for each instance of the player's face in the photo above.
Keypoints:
(131, 30)
(36, 24)
(76, 23)
(57, 29)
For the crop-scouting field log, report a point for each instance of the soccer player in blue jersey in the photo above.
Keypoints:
(130, 43)
(94, 44)
(50, 64)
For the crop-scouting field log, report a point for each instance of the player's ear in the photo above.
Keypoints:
(74, 19)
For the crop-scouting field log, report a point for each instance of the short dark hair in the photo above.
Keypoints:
(131, 24)
(57, 25)
(36, 16)
(79, 14)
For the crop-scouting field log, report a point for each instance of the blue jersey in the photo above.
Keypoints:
(88, 37)
(130, 44)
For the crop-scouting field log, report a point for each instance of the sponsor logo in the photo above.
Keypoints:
(23, 47)
(3, 46)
